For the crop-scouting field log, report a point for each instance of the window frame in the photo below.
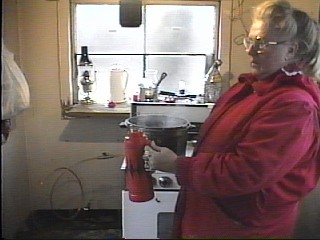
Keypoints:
(65, 38)
(144, 54)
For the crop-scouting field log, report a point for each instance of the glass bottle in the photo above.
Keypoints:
(213, 83)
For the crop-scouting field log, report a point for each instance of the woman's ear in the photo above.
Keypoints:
(291, 53)
(293, 49)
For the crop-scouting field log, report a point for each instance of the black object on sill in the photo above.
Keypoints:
(165, 93)
(84, 59)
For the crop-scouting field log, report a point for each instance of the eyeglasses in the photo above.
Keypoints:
(258, 43)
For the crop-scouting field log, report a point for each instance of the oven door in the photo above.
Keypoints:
(148, 220)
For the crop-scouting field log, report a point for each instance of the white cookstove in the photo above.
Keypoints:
(152, 219)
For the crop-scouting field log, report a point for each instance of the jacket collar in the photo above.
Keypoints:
(288, 75)
(291, 75)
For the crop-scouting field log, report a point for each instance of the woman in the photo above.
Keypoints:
(258, 152)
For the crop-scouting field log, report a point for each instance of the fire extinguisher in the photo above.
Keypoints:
(138, 178)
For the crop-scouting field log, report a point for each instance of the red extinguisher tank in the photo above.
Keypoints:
(138, 180)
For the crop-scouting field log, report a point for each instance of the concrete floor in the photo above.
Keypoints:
(106, 224)
(91, 224)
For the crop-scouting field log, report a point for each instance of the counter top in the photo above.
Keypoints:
(174, 104)
(121, 109)
(95, 110)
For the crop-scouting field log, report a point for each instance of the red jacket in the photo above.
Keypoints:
(257, 157)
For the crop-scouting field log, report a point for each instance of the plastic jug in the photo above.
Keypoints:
(118, 83)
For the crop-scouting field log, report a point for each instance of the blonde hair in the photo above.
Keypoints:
(280, 16)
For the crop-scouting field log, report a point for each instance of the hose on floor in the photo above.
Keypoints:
(69, 170)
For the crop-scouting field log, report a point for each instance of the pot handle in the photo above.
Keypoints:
(127, 77)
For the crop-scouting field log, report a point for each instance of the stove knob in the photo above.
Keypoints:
(165, 181)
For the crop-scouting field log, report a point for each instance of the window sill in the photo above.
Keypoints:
(94, 111)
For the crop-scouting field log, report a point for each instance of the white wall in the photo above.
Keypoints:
(14, 169)
(53, 142)
(15, 182)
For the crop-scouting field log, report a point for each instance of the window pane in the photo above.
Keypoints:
(187, 68)
(98, 27)
(190, 29)
(190, 32)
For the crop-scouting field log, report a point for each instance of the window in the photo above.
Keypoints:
(181, 40)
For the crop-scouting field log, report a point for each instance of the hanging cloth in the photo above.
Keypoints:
(15, 95)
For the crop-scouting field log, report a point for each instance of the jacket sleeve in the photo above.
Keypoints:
(281, 136)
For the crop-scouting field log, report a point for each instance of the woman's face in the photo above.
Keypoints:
(272, 57)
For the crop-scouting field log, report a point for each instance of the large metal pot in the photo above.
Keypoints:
(166, 131)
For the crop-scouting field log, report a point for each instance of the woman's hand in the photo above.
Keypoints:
(161, 158)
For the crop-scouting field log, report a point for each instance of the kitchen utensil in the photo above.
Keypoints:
(147, 89)
(147, 94)
(150, 94)
(163, 76)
